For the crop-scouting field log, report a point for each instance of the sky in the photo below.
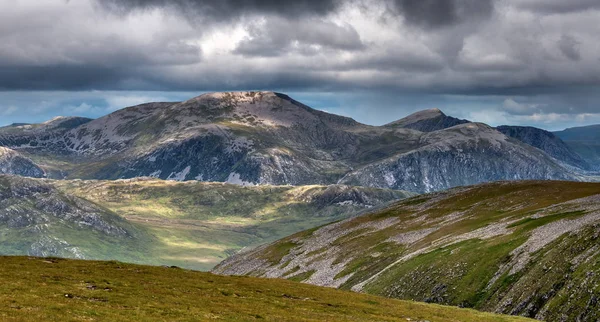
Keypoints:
(519, 62)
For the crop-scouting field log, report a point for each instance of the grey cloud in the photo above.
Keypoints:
(435, 13)
(278, 36)
(557, 6)
(314, 50)
(70, 77)
(228, 9)
(394, 59)
(569, 46)
(518, 108)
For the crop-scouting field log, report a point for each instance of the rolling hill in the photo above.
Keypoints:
(523, 248)
(35, 289)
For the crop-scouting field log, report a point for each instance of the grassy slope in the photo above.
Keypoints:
(196, 225)
(36, 289)
(559, 280)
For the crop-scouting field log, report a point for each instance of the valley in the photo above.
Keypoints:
(188, 224)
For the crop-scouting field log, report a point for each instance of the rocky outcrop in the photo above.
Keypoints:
(11, 162)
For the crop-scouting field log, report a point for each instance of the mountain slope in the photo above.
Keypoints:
(547, 142)
(66, 290)
(465, 154)
(37, 219)
(269, 138)
(585, 141)
(39, 136)
(193, 224)
(527, 248)
(427, 121)
(12, 162)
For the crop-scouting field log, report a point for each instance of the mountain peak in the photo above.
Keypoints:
(427, 121)
(432, 112)
(239, 95)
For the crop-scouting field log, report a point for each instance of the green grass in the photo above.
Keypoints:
(35, 289)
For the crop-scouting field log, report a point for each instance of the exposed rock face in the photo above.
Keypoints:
(524, 248)
(269, 138)
(547, 142)
(11, 162)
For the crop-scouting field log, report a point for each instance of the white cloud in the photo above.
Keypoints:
(9, 110)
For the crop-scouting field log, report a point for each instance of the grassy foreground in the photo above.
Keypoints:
(38, 289)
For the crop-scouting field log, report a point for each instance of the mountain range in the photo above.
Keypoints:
(269, 138)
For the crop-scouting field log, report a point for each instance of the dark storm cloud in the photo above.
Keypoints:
(435, 13)
(558, 6)
(536, 52)
(228, 9)
(59, 77)
(569, 46)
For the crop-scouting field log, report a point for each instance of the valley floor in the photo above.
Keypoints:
(46, 289)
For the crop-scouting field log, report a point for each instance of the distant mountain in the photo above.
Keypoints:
(461, 155)
(585, 141)
(547, 142)
(427, 121)
(12, 162)
(526, 248)
(269, 138)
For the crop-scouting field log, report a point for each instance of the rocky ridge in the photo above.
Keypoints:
(253, 138)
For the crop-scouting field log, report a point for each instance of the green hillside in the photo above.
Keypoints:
(35, 289)
(526, 248)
